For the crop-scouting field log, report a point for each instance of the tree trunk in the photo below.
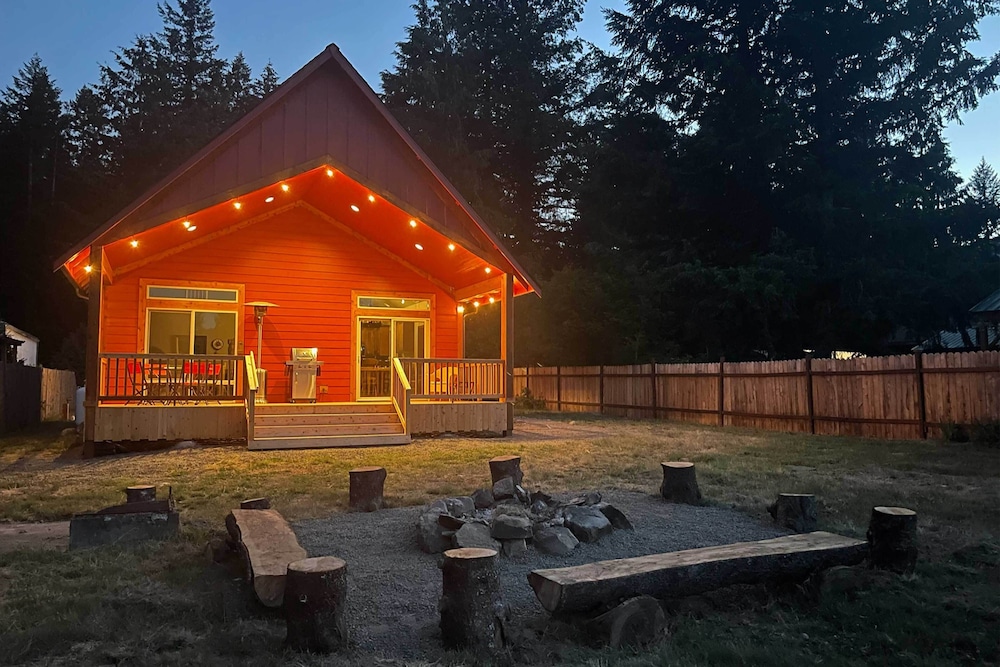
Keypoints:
(506, 466)
(795, 511)
(635, 622)
(315, 604)
(256, 504)
(140, 494)
(472, 610)
(679, 483)
(892, 539)
(367, 485)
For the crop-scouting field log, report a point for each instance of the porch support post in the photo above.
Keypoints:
(95, 293)
(507, 345)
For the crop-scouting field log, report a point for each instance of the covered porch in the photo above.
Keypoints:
(145, 398)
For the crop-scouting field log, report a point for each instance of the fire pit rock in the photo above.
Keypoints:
(510, 520)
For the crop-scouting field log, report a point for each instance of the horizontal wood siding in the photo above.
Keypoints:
(307, 267)
(896, 397)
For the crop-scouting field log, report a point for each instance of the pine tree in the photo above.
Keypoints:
(265, 84)
(239, 87)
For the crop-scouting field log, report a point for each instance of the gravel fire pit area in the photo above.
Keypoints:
(394, 587)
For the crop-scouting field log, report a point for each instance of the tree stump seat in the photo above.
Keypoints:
(367, 488)
(680, 485)
(315, 601)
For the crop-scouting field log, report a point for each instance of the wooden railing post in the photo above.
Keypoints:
(809, 394)
(918, 364)
(558, 388)
(722, 392)
(95, 291)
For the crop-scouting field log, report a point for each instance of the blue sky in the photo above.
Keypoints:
(74, 36)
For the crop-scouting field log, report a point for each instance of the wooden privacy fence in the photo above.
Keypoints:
(906, 396)
(58, 394)
(20, 396)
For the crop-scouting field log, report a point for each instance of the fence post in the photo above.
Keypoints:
(527, 378)
(722, 393)
(600, 398)
(558, 388)
(918, 364)
(809, 393)
(652, 378)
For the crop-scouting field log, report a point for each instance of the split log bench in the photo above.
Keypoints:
(586, 588)
(268, 545)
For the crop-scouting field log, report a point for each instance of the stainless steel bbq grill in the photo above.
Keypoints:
(303, 369)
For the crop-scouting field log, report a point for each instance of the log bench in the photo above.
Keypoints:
(586, 588)
(267, 545)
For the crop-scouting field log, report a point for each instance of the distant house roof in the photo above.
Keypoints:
(954, 341)
(990, 304)
(10, 331)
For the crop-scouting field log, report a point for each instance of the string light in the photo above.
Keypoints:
(476, 304)
(186, 223)
(371, 198)
(492, 300)
(460, 309)
(134, 243)
(451, 246)
(489, 270)
(329, 172)
(237, 205)
(89, 268)
(284, 187)
(413, 223)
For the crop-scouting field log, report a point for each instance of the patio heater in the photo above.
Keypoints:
(259, 311)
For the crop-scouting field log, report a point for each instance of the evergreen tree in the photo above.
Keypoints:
(265, 84)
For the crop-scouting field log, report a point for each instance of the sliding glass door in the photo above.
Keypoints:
(379, 340)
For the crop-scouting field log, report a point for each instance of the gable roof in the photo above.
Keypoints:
(322, 115)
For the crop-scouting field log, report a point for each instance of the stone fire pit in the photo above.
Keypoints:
(509, 519)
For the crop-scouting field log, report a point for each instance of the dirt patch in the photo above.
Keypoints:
(23, 536)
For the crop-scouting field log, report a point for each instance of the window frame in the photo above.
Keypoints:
(147, 303)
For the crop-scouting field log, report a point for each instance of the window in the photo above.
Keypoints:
(192, 294)
(384, 302)
(190, 332)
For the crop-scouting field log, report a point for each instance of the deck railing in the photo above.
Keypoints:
(171, 378)
(401, 394)
(455, 379)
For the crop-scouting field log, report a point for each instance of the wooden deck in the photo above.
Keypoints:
(312, 425)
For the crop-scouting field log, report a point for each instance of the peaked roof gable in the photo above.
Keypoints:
(323, 114)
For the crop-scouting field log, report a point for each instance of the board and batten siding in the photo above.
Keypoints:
(306, 266)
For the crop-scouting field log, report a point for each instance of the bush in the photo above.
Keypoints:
(986, 433)
(527, 401)
(953, 432)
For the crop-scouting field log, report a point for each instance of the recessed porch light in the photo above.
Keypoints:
(269, 200)
(418, 246)
(88, 268)
(192, 228)
(460, 309)
(355, 208)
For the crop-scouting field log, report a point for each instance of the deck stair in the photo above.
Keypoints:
(308, 425)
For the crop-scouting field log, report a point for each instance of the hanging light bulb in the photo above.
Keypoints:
(134, 243)
(284, 187)
(460, 309)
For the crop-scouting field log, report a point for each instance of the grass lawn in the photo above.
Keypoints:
(168, 605)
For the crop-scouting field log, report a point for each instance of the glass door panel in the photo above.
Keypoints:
(375, 347)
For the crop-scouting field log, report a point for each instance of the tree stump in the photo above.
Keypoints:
(140, 494)
(795, 511)
(315, 603)
(635, 622)
(679, 483)
(256, 504)
(472, 610)
(892, 539)
(367, 486)
(506, 466)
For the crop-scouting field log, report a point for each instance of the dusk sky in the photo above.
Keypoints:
(74, 36)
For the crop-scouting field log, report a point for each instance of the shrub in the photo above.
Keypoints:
(527, 401)
(986, 432)
(953, 432)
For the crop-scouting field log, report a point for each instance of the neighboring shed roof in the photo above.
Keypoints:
(990, 304)
(953, 340)
(324, 115)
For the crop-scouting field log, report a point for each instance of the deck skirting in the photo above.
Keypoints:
(485, 418)
(203, 421)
